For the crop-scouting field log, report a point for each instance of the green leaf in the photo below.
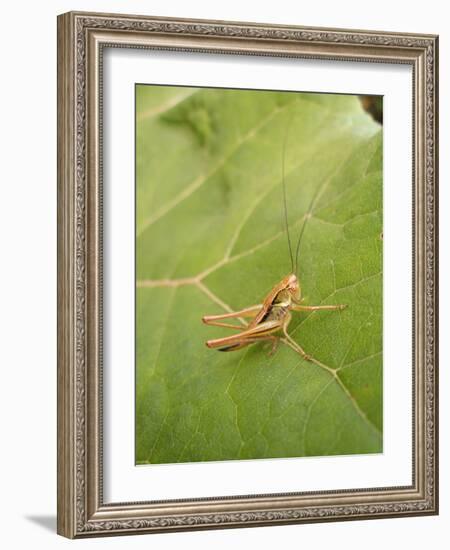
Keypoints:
(210, 238)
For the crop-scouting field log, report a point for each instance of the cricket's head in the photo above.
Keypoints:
(293, 287)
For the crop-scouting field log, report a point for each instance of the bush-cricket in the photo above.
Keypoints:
(273, 315)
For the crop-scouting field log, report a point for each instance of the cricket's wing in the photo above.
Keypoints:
(269, 300)
(235, 347)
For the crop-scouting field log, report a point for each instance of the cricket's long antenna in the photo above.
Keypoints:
(283, 184)
(306, 218)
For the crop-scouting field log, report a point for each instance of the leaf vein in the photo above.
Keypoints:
(166, 106)
(202, 178)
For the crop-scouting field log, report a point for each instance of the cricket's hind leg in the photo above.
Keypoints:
(215, 320)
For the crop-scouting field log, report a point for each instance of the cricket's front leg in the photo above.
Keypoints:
(291, 342)
(275, 341)
(300, 307)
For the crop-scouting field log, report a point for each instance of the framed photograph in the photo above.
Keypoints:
(247, 276)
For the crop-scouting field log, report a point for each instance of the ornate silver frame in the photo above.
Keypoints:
(81, 37)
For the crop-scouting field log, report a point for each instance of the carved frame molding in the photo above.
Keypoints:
(81, 38)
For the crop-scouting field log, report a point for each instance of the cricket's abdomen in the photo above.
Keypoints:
(276, 312)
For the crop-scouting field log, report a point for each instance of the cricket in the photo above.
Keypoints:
(269, 321)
